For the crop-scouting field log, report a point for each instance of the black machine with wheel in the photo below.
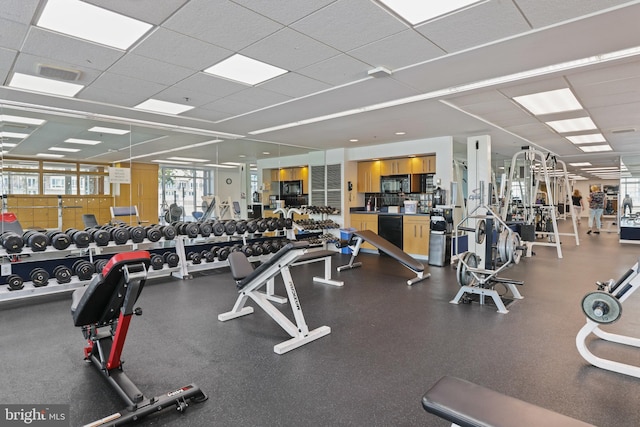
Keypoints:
(103, 310)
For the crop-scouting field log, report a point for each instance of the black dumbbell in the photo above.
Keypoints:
(58, 239)
(83, 269)
(171, 258)
(275, 246)
(223, 253)
(252, 226)
(217, 228)
(247, 250)
(120, 235)
(272, 224)
(288, 223)
(195, 257)
(205, 229)
(191, 229)
(12, 242)
(36, 240)
(157, 262)
(137, 234)
(39, 277)
(15, 282)
(214, 251)
(79, 237)
(257, 249)
(154, 233)
(267, 248)
(100, 264)
(230, 227)
(62, 273)
(168, 232)
(99, 236)
(207, 256)
(262, 225)
(241, 226)
(280, 224)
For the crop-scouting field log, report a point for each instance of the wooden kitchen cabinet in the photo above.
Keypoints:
(369, 177)
(395, 167)
(424, 164)
(365, 222)
(415, 234)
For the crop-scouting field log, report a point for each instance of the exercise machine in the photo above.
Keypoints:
(359, 237)
(466, 404)
(249, 283)
(603, 307)
(103, 309)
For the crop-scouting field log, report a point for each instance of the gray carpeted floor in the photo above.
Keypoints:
(389, 343)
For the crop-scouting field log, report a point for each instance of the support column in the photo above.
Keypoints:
(478, 170)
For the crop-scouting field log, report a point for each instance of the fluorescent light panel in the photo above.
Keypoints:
(215, 165)
(187, 159)
(245, 70)
(89, 22)
(64, 150)
(112, 131)
(163, 106)
(572, 125)
(580, 164)
(175, 162)
(553, 101)
(40, 84)
(587, 139)
(57, 156)
(13, 135)
(595, 148)
(8, 144)
(417, 11)
(231, 163)
(4, 118)
(82, 141)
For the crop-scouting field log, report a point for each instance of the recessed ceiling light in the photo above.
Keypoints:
(175, 162)
(580, 164)
(242, 156)
(188, 159)
(82, 141)
(8, 144)
(572, 125)
(79, 19)
(163, 106)
(57, 156)
(553, 101)
(13, 135)
(401, 133)
(231, 163)
(65, 150)
(21, 120)
(112, 131)
(595, 148)
(587, 139)
(40, 84)
(245, 70)
(416, 12)
(353, 140)
(215, 165)
(266, 153)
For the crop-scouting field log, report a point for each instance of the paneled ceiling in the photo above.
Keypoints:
(454, 75)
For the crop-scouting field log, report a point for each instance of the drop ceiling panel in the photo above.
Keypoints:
(210, 85)
(127, 85)
(338, 70)
(258, 97)
(28, 64)
(151, 11)
(224, 24)
(484, 23)
(477, 97)
(153, 70)
(18, 10)
(230, 106)
(621, 116)
(285, 11)
(109, 96)
(6, 58)
(170, 46)
(289, 49)
(294, 85)
(398, 50)
(610, 93)
(531, 131)
(206, 114)
(52, 45)
(535, 86)
(541, 13)
(13, 34)
(183, 96)
(346, 25)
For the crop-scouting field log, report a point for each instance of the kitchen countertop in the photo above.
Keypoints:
(352, 211)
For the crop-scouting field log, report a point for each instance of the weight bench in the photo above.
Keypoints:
(249, 281)
(469, 405)
(388, 248)
(108, 303)
(124, 211)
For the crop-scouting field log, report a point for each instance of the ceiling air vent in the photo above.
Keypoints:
(623, 130)
(58, 73)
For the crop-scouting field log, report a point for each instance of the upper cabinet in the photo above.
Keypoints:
(369, 177)
(395, 167)
(424, 164)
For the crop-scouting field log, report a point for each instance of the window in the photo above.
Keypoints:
(59, 184)
(20, 182)
(185, 188)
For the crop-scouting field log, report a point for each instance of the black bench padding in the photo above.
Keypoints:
(390, 249)
(242, 269)
(470, 405)
(314, 255)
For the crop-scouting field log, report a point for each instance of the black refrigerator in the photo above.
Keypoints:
(390, 228)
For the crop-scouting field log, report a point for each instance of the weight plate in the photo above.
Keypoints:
(100, 264)
(172, 259)
(191, 230)
(502, 246)
(157, 262)
(81, 238)
(252, 226)
(154, 234)
(169, 232)
(205, 229)
(481, 231)
(241, 227)
(223, 253)
(280, 224)
(467, 260)
(272, 223)
(120, 235)
(39, 277)
(230, 227)
(218, 228)
(601, 307)
(263, 225)
(62, 273)
(37, 241)
(513, 253)
(15, 282)
(137, 234)
(288, 223)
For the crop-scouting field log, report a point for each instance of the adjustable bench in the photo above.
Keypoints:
(469, 405)
(387, 247)
(108, 303)
(249, 281)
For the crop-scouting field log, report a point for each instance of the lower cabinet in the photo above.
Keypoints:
(415, 233)
(365, 222)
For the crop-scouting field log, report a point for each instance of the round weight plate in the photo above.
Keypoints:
(481, 231)
(205, 229)
(513, 253)
(468, 260)
(252, 226)
(15, 282)
(262, 225)
(60, 241)
(100, 264)
(272, 223)
(84, 269)
(218, 228)
(120, 235)
(169, 232)
(280, 224)
(12, 242)
(601, 307)
(288, 223)
(137, 234)
(241, 227)
(223, 253)
(257, 250)
(191, 230)
(37, 241)
(230, 227)
(62, 274)
(502, 246)
(172, 259)
(157, 262)
(39, 277)
(81, 238)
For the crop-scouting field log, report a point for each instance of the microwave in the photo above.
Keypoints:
(290, 188)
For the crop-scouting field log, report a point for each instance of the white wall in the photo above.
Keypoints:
(584, 185)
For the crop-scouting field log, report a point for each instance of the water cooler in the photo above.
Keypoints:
(440, 236)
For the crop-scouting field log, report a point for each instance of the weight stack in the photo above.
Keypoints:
(527, 232)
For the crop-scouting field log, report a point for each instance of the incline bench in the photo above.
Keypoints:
(387, 247)
(249, 281)
(469, 405)
(107, 303)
